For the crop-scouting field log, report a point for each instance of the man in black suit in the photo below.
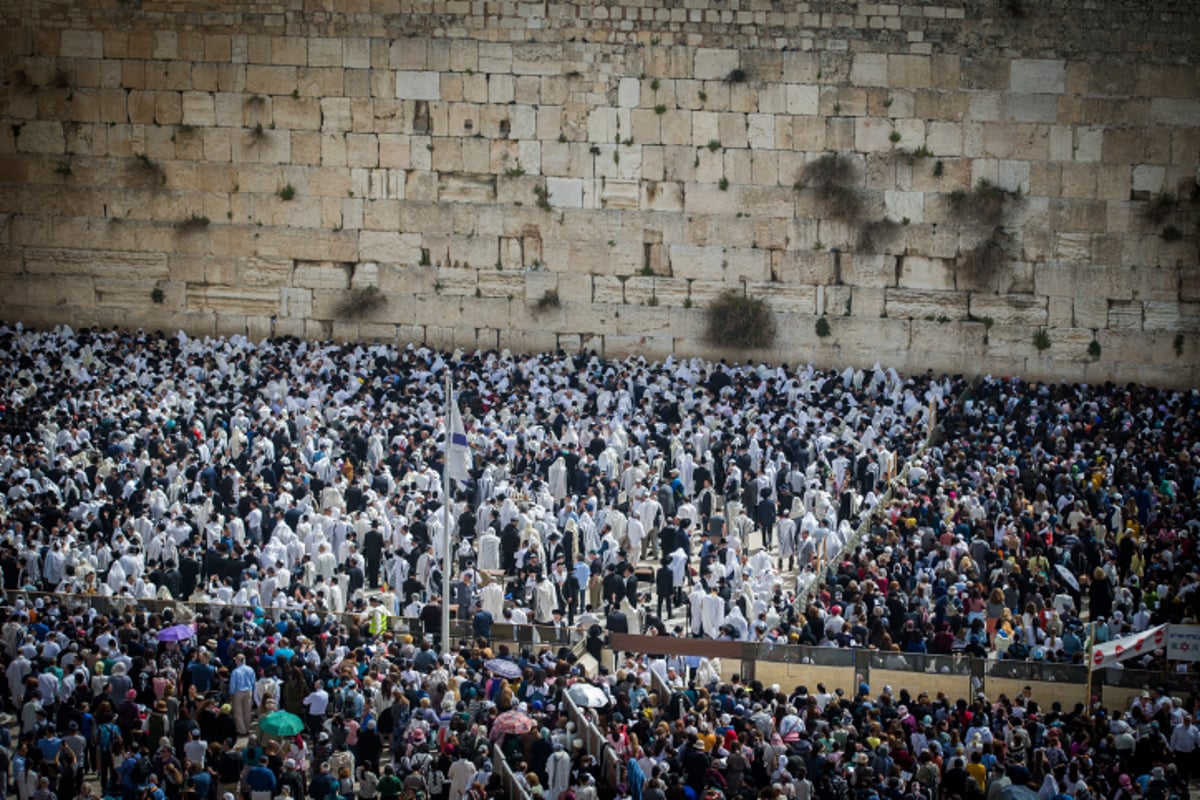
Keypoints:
(373, 553)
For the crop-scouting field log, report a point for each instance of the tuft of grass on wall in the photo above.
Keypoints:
(738, 320)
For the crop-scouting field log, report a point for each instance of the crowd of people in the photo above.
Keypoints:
(292, 494)
(730, 739)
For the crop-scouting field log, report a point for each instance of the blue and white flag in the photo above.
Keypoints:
(458, 451)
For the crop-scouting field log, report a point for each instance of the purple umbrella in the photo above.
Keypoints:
(176, 633)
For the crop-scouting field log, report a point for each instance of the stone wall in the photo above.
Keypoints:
(536, 175)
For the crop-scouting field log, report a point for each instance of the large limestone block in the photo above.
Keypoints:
(909, 70)
(264, 272)
(714, 64)
(802, 99)
(535, 58)
(73, 291)
(1173, 317)
(955, 338)
(917, 272)
(914, 304)
(701, 263)
(1037, 76)
(871, 135)
(785, 299)
(1125, 315)
(661, 196)
(414, 85)
(389, 246)
(1175, 111)
(507, 283)
(869, 69)
(116, 264)
(320, 275)
(227, 300)
(1010, 309)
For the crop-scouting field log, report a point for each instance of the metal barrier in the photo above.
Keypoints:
(516, 791)
(595, 743)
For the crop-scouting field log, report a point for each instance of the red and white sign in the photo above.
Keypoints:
(1139, 644)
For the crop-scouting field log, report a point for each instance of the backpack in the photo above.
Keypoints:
(141, 771)
(107, 732)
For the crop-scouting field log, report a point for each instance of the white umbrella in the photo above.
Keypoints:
(1068, 576)
(586, 695)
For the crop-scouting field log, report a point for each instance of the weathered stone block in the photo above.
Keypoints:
(1043, 76)
(413, 85)
(913, 304)
(713, 64)
(1010, 309)
(1089, 312)
(1125, 315)
(702, 263)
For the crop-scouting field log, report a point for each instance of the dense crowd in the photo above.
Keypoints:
(728, 739)
(292, 492)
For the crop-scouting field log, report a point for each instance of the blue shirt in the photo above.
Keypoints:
(260, 779)
(202, 676)
(49, 745)
(241, 679)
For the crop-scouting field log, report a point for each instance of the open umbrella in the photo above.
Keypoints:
(281, 723)
(586, 695)
(1067, 576)
(176, 633)
(503, 667)
(511, 722)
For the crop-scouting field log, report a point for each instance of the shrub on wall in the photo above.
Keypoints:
(737, 320)
(360, 302)
(832, 177)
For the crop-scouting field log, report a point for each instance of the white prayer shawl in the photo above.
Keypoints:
(493, 600)
(558, 480)
(679, 561)
(489, 551)
(696, 604)
(545, 600)
(712, 614)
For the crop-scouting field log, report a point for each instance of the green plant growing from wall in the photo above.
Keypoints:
(822, 328)
(288, 192)
(654, 85)
(939, 168)
(831, 178)
(723, 184)
(660, 109)
(360, 302)
(157, 295)
(549, 300)
(1171, 234)
(894, 137)
(1177, 345)
(1158, 208)
(193, 224)
(1041, 340)
(873, 237)
(737, 75)
(713, 145)
(1094, 350)
(148, 170)
(63, 169)
(542, 197)
(735, 319)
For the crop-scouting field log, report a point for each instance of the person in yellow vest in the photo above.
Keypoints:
(377, 617)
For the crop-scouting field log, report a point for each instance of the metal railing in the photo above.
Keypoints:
(595, 743)
(516, 790)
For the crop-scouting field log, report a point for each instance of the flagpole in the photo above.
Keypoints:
(1091, 665)
(446, 494)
